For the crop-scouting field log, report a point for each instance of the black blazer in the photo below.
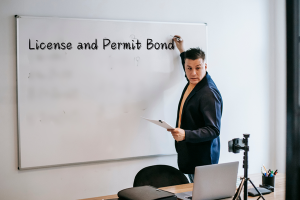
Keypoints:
(201, 120)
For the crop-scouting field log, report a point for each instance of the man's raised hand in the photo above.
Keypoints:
(179, 43)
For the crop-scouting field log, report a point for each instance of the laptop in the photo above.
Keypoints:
(213, 182)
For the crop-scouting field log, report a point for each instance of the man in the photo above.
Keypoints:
(199, 114)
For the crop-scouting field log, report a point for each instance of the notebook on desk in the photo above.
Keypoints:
(213, 182)
(145, 193)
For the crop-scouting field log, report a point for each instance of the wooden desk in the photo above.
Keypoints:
(279, 192)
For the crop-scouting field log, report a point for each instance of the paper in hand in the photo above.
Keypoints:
(161, 123)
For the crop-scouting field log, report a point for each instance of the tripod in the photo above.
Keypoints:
(245, 179)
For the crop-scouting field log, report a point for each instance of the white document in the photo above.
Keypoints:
(161, 123)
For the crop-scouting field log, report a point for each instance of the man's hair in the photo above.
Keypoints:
(195, 53)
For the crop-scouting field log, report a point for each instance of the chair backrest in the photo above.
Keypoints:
(159, 176)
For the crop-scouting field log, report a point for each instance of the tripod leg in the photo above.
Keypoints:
(238, 191)
(260, 195)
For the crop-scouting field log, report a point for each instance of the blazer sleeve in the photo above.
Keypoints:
(182, 56)
(211, 109)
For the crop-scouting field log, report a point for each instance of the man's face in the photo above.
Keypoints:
(195, 70)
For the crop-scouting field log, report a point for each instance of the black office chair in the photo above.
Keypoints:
(159, 176)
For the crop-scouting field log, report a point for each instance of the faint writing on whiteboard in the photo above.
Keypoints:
(137, 59)
(50, 74)
(133, 37)
(51, 93)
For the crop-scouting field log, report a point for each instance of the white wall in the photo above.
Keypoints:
(277, 85)
(241, 37)
(279, 35)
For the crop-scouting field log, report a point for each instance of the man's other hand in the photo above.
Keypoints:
(179, 44)
(178, 134)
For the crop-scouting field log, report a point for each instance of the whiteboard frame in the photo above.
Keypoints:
(17, 17)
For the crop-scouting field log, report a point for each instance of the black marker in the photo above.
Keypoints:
(178, 38)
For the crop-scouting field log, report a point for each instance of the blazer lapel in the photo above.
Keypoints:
(186, 86)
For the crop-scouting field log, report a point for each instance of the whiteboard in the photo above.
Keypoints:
(85, 105)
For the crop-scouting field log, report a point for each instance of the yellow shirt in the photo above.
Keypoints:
(186, 94)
